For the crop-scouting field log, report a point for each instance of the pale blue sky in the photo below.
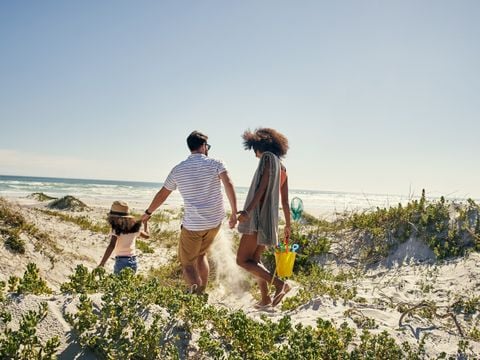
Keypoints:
(374, 96)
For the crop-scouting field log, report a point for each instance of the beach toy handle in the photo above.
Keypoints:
(296, 208)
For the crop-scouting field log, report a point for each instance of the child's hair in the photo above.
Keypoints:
(124, 224)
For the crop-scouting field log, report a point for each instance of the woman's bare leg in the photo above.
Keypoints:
(248, 257)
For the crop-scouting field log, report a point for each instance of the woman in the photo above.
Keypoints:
(259, 217)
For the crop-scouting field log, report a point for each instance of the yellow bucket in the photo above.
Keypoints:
(284, 263)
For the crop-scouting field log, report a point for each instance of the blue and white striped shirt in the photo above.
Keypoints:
(197, 179)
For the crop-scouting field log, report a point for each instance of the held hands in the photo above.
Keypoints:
(144, 219)
(287, 231)
(232, 221)
(244, 216)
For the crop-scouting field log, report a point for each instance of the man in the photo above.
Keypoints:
(198, 178)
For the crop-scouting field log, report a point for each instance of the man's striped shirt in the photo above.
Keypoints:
(197, 179)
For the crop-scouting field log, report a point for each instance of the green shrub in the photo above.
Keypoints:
(83, 281)
(24, 343)
(431, 221)
(144, 247)
(31, 283)
(12, 224)
(320, 282)
(69, 203)
(40, 196)
(119, 329)
(14, 242)
(82, 221)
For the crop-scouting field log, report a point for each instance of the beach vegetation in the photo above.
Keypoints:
(40, 196)
(163, 216)
(23, 342)
(30, 283)
(143, 316)
(474, 334)
(448, 228)
(84, 222)
(169, 274)
(10, 216)
(14, 242)
(425, 286)
(144, 247)
(83, 281)
(467, 305)
(319, 282)
(69, 203)
(360, 319)
(313, 241)
(13, 224)
(166, 237)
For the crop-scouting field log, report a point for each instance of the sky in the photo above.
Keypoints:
(374, 96)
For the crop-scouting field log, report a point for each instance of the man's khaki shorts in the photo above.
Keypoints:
(194, 243)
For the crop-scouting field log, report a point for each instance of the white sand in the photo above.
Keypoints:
(402, 278)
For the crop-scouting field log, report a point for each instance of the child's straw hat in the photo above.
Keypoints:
(119, 208)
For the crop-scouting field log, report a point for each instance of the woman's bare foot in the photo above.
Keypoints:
(263, 304)
(280, 293)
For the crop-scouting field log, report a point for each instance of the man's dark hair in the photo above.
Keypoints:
(195, 140)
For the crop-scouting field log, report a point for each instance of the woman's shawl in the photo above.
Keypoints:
(264, 219)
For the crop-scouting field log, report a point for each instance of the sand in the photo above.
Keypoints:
(407, 278)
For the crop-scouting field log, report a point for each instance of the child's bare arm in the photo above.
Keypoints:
(108, 250)
(144, 233)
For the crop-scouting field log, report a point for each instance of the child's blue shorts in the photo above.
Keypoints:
(122, 262)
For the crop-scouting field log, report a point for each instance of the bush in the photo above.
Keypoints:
(15, 243)
(68, 203)
(431, 221)
(23, 343)
(31, 283)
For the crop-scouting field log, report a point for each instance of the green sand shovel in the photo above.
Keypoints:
(296, 208)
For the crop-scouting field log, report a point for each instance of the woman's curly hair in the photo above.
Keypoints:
(266, 139)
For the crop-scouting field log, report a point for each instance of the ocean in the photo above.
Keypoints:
(139, 194)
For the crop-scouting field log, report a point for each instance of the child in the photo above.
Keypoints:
(124, 232)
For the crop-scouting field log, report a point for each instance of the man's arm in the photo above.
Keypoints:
(232, 197)
(158, 200)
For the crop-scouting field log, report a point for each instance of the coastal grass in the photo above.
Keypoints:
(40, 196)
(448, 228)
(116, 329)
(21, 341)
(83, 222)
(165, 237)
(319, 282)
(13, 224)
(153, 317)
(30, 283)
(120, 328)
(144, 247)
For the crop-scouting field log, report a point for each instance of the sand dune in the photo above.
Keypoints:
(409, 277)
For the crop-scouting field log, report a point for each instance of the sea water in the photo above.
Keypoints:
(139, 194)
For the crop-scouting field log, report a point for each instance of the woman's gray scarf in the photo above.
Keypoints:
(264, 219)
